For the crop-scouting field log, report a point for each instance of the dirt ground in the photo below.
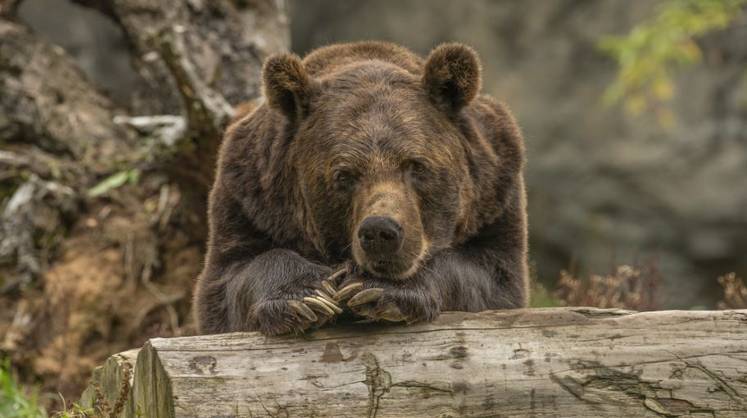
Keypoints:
(122, 276)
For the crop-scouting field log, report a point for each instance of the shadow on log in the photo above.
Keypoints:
(559, 362)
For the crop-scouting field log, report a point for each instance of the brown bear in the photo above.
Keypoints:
(370, 183)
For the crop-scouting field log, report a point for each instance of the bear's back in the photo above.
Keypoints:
(329, 59)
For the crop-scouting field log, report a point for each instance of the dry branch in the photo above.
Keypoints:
(564, 362)
(207, 111)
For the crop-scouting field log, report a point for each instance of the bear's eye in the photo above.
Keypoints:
(343, 179)
(416, 168)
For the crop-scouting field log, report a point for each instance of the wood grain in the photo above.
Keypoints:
(559, 362)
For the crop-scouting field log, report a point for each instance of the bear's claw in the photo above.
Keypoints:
(329, 301)
(316, 309)
(332, 279)
(304, 311)
(328, 287)
(368, 303)
(348, 291)
(389, 312)
(315, 302)
(366, 296)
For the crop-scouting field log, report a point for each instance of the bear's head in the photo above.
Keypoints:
(377, 155)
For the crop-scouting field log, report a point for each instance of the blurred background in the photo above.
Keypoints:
(634, 115)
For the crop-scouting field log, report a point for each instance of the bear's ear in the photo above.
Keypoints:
(287, 86)
(452, 76)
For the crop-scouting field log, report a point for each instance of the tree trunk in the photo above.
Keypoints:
(559, 362)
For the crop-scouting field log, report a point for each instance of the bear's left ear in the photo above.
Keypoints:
(452, 76)
(287, 86)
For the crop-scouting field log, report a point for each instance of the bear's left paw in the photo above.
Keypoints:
(394, 304)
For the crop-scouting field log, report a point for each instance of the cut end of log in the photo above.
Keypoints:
(559, 362)
(110, 389)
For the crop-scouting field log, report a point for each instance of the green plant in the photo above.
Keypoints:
(14, 401)
(541, 298)
(114, 181)
(653, 50)
(77, 411)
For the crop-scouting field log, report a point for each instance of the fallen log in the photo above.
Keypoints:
(558, 362)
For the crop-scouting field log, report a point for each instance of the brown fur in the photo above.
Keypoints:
(357, 130)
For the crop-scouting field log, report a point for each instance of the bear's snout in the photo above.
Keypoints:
(388, 241)
(380, 236)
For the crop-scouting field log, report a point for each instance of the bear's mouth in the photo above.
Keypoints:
(385, 267)
(391, 268)
(398, 266)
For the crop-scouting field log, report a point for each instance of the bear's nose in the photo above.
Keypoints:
(380, 235)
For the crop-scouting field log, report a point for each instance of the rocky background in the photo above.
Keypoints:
(606, 187)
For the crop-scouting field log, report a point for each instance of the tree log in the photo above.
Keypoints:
(110, 391)
(558, 362)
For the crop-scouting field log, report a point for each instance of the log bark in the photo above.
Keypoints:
(557, 362)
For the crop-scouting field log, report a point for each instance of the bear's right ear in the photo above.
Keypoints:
(287, 86)
(452, 76)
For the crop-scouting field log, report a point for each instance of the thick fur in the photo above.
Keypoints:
(342, 129)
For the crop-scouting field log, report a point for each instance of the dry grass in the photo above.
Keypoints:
(735, 292)
(627, 288)
(632, 287)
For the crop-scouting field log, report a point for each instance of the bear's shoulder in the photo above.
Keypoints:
(497, 124)
(329, 59)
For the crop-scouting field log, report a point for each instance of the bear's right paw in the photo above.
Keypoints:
(311, 309)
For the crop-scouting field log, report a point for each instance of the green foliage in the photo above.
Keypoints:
(76, 411)
(541, 298)
(650, 53)
(14, 402)
(17, 403)
(114, 181)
